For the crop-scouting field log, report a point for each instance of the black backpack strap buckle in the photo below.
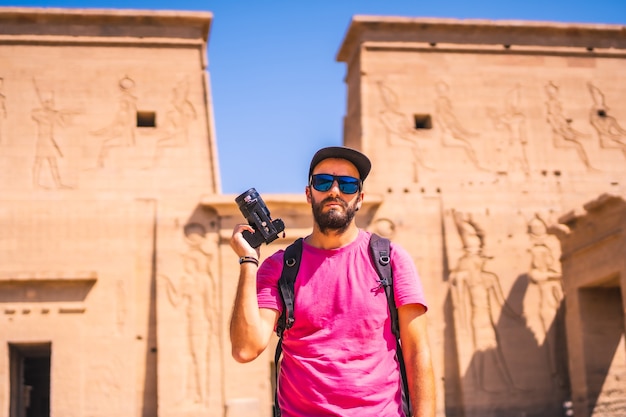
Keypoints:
(286, 284)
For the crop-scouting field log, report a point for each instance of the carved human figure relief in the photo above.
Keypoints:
(385, 227)
(564, 134)
(121, 309)
(196, 293)
(398, 127)
(3, 110)
(178, 119)
(453, 133)
(511, 148)
(610, 133)
(478, 301)
(545, 274)
(120, 132)
(102, 380)
(47, 150)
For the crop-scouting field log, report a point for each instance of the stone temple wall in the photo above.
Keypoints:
(106, 146)
(482, 134)
(116, 278)
(593, 241)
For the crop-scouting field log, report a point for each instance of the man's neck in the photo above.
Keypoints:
(332, 239)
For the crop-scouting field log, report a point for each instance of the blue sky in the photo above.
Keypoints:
(278, 91)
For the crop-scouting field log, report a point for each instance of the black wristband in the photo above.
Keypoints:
(250, 259)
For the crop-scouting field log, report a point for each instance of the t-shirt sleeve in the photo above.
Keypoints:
(268, 295)
(408, 287)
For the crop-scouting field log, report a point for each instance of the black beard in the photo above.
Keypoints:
(333, 220)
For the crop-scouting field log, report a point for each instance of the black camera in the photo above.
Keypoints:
(257, 214)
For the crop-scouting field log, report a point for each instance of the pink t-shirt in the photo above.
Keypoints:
(339, 356)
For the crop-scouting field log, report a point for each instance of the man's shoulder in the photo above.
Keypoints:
(395, 248)
(275, 260)
(370, 236)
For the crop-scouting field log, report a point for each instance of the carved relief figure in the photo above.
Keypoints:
(121, 131)
(478, 300)
(120, 310)
(545, 273)
(47, 149)
(196, 293)
(103, 380)
(453, 132)
(512, 148)
(178, 118)
(398, 127)
(385, 227)
(565, 136)
(610, 133)
(3, 109)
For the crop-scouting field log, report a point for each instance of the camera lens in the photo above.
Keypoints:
(245, 202)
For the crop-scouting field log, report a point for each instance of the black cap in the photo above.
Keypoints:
(360, 161)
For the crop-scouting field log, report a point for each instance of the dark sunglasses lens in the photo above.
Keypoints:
(322, 182)
(348, 185)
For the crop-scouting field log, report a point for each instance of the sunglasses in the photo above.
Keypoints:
(324, 182)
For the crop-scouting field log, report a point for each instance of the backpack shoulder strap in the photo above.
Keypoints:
(286, 284)
(381, 258)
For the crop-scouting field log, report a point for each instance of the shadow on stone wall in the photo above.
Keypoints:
(150, 397)
(603, 332)
(519, 376)
(452, 387)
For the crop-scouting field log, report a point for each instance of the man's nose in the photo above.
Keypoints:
(334, 188)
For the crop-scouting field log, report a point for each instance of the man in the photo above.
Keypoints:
(339, 356)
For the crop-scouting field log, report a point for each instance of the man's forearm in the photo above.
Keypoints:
(246, 326)
(422, 385)
(418, 360)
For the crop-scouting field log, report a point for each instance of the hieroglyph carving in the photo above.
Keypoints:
(177, 120)
(3, 110)
(564, 134)
(47, 149)
(610, 133)
(384, 227)
(120, 132)
(545, 274)
(121, 310)
(511, 148)
(398, 127)
(196, 293)
(453, 133)
(478, 301)
(103, 380)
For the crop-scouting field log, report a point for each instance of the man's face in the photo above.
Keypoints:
(332, 209)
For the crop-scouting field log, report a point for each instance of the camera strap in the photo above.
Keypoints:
(381, 259)
(286, 284)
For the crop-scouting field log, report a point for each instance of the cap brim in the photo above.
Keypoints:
(359, 160)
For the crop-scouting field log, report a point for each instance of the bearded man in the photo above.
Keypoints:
(339, 355)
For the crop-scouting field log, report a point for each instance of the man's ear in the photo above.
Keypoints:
(360, 202)
(307, 191)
